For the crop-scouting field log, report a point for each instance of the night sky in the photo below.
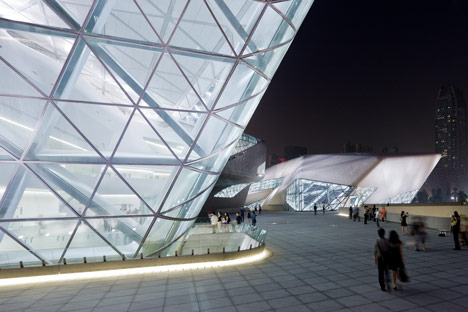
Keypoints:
(365, 72)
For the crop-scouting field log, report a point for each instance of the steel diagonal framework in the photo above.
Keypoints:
(116, 117)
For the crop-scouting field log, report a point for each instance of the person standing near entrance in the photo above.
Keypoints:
(242, 214)
(381, 248)
(383, 213)
(455, 224)
(323, 209)
(315, 209)
(377, 216)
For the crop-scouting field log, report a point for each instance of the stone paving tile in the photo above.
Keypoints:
(320, 263)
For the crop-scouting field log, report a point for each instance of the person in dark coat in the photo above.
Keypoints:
(455, 224)
(381, 251)
(395, 257)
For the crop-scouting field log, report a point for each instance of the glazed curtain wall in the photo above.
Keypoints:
(116, 117)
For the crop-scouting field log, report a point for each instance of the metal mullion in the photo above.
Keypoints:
(201, 170)
(199, 54)
(131, 188)
(103, 238)
(159, 136)
(69, 241)
(147, 20)
(177, 219)
(22, 244)
(122, 135)
(38, 219)
(23, 77)
(227, 121)
(211, 155)
(51, 189)
(124, 216)
(91, 102)
(107, 70)
(256, 70)
(189, 200)
(90, 200)
(247, 42)
(220, 28)
(188, 81)
(58, 9)
(150, 227)
(36, 28)
(10, 182)
(268, 49)
(287, 20)
(172, 109)
(147, 45)
(79, 131)
(240, 102)
(23, 97)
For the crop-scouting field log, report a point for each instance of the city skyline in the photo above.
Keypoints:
(372, 80)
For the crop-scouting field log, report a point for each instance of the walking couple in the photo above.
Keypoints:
(388, 255)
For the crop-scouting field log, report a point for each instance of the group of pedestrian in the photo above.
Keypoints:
(374, 214)
(220, 221)
(388, 255)
(251, 215)
(315, 209)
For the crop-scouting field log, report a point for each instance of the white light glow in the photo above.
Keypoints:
(16, 123)
(131, 271)
(176, 149)
(343, 214)
(68, 143)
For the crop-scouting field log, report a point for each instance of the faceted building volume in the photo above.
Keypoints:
(117, 116)
(338, 180)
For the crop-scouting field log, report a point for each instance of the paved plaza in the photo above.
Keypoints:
(320, 263)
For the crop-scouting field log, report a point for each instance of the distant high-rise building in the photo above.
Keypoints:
(450, 128)
(357, 148)
(291, 152)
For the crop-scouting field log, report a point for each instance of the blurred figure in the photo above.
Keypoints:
(455, 224)
(395, 259)
(249, 216)
(315, 209)
(420, 234)
(259, 209)
(214, 223)
(323, 209)
(350, 212)
(242, 213)
(373, 213)
(356, 214)
(463, 237)
(220, 222)
(254, 219)
(366, 214)
(238, 219)
(228, 222)
(383, 213)
(381, 251)
(403, 223)
(377, 216)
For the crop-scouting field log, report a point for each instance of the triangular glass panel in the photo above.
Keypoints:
(268, 62)
(150, 182)
(216, 162)
(169, 88)
(241, 113)
(11, 253)
(237, 18)
(189, 184)
(190, 209)
(7, 170)
(125, 234)
(131, 64)
(193, 28)
(206, 74)
(75, 183)
(141, 145)
(28, 197)
(38, 57)
(46, 238)
(115, 198)
(18, 117)
(56, 140)
(89, 80)
(102, 125)
(121, 19)
(14, 84)
(162, 234)
(86, 243)
(163, 14)
(294, 10)
(78, 9)
(215, 136)
(32, 11)
(244, 83)
(188, 121)
(271, 31)
(175, 136)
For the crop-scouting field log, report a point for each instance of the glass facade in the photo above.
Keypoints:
(116, 117)
(404, 198)
(303, 194)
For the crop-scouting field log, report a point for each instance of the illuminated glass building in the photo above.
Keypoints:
(116, 117)
(339, 180)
